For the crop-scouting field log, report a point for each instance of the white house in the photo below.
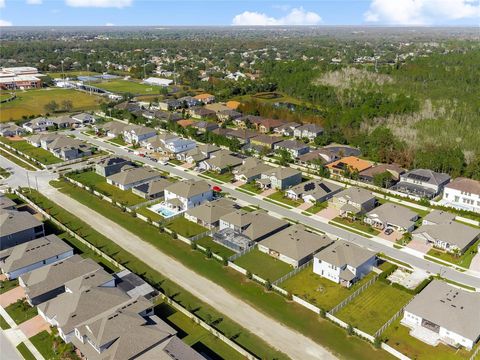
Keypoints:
(179, 145)
(37, 124)
(184, 195)
(138, 133)
(344, 263)
(443, 313)
(309, 131)
(463, 194)
(157, 81)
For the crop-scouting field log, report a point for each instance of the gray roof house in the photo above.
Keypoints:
(84, 118)
(111, 165)
(309, 131)
(132, 177)
(280, 178)
(138, 133)
(294, 245)
(315, 190)
(286, 129)
(392, 216)
(444, 313)
(66, 148)
(353, 201)
(153, 189)
(437, 217)
(295, 148)
(344, 263)
(184, 195)
(209, 213)
(221, 161)
(31, 255)
(251, 169)
(422, 183)
(6, 203)
(10, 129)
(113, 128)
(45, 283)
(198, 154)
(18, 227)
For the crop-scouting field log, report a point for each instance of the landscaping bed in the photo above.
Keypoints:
(263, 265)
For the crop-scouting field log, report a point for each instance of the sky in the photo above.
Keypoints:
(238, 13)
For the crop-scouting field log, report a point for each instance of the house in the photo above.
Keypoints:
(113, 128)
(422, 182)
(7, 203)
(217, 107)
(246, 121)
(151, 190)
(204, 126)
(84, 118)
(267, 125)
(250, 170)
(111, 165)
(37, 124)
(339, 150)
(295, 148)
(463, 194)
(209, 213)
(32, 255)
(294, 245)
(350, 164)
(205, 98)
(189, 101)
(394, 170)
(344, 263)
(199, 112)
(243, 135)
(437, 217)
(286, 129)
(36, 140)
(280, 178)
(130, 106)
(158, 81)
(265, 141)
(232, 104)
(392, 216)
(168, 143)
(444, 313)
(198, 154)
(317, 157)
(450, 236)
(10, 129)
(184, 123)
(64, 122)
(66, 148)
(187, 194)
(137, 133)
(46, 282)
(353, 201)
(221, 161)
(309, 131)
(314, 191)
(18, 227)
(228, 115)
(171, 104)
(133, 177)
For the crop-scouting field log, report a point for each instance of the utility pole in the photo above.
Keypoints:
(144, 71)
(63, 74)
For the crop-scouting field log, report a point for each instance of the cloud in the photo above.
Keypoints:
(34, 2)
(2, 3)
(420, 12)
(297, 16)
(99, 3)
(109, 24)
(5, 23)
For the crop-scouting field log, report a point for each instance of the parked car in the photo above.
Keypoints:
(388, 231)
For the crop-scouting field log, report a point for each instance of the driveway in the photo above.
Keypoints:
(393, 237)
(329, 213)
(12, 296)
(475, 264)
(268, 192)
(304, 206)
(34, 326)
(420, 246)
(239, 183)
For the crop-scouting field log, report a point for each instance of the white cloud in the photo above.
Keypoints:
(99, 3)
(109, 24)
(34, 2)
(2, 3)
(5, 23)
(421, 12)
(297, 16)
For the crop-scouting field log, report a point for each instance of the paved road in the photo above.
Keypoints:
(7, 350)
(471, 278)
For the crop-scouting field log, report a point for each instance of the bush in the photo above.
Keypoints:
(248, 275)
(174, 235)
(377, 342)
(208, 253)
(193, 245)
(268, 285)
(350, 329)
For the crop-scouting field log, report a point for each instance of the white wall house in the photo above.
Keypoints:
(463, 194)
(179, 145)
(38, 124)
(184, 195)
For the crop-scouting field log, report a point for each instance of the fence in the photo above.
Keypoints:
(353, 296)
(15, 151)
(395, 353)
(475, 353)
(306, 304)
(204, 249)
(293, 272)
(237, 268)
(241, 253)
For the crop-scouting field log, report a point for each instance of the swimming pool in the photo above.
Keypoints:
(162, 210)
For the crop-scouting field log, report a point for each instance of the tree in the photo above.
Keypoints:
(284, 157)
(383, 179)
(67, 105)
(51, 107)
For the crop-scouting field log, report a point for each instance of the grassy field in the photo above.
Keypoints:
(184, 227)
(22, 163)
(263, 265)
(32, 102)
(8, 285)
(463, 260)
(293, 315)
(278, 196)
(21, 311)
(127, 86)
(38, 153)
(374, 307)
(98, 182)
(55, 75)
(216, 248)
(23, 350)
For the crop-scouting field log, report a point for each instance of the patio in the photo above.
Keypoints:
(408, 279)
(428, 336)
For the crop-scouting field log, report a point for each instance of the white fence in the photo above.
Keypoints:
(354, 295)
(237, 268)
(204, 249)
(293, 272)
(395, 353)
(306, 304)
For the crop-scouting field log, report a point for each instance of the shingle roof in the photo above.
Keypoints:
(282, 173)
(257, 223)
(394, 214)
(12, 222)
(428, 176)
(465, 185)
(452, 232)
(316, 188)
(133, 175)
(343, 253)
(188, 188)
(212, 211)
(153, 187)
(355, 195)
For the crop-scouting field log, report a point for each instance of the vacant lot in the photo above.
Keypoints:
(126, 86)
(263, 265)
(39, 154)
(32, 102)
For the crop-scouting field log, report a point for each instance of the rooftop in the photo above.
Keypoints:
(188, 188)
(343, 253)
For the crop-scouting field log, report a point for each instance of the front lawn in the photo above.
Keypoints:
(225, 177)
(462, 260)
(252, 187)
(263, 265)
(37, 153)
(357, 224)
(21, 311)
(3, 324)
(52, 347)
(216, 248)
(279, 196)
(317, 207)
(7, 285)
(184, 227)
(118, 140)
(23, 350)
(374, 307)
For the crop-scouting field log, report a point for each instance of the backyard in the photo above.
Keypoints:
(263, 265)
(184, 227)
(216, 248)
(38, 153)
(153, 216)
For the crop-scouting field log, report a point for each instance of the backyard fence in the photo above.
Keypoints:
(475, 353)
(353, 296)
(204, 249)
(293, 272)
(391, 320)
(237, 268)
(241, 253)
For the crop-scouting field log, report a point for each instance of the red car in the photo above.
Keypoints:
(217, 189)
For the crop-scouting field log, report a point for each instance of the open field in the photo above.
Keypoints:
(32, 102)
(38, 153)
(127, 86)
(55, 75)
(374, 307)
(263, 265)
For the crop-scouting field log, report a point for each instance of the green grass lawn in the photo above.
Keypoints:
(398, 337)
(39, 154)
(98, 182)
(184, 227)
(21, 311)
(374, 307)
(4, 173)
(32, 102)
(317, 207)
(251, 187)
(127, 86)
(263, 265)
(22, 163)
(225, 177)
(56, 75)
(216, 248)
(8, 285)
(317, 290)
(278, 196)
(23, 350)
(293, 315)
(357, 224)
(462, 260)
(44, 342)
(149, 213)
(118, 140)
(3, 324)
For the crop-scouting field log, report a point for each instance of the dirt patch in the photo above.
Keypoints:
(349, 77)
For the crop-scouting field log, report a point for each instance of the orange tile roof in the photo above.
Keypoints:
(185, 122)
(352, 162)
(232, 104)
(203, 96)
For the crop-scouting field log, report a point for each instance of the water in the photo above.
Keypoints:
(162, 210)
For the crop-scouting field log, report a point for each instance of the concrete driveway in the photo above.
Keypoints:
(393, 237)
(475, 264)
(329, 213)
(12, 296)
(34, 326)
(304, 206)
(268, 192)
(420, 246)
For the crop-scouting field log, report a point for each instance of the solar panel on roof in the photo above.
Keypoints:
(309, 186)
(418, 177)
(325, 188)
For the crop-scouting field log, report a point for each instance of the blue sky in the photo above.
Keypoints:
(246, 12)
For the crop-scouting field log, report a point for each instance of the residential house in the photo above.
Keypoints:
(266, 126)
(294, 245)
(7, 203)
(32, 255)
(189, 101)
(295, 148)
(209, 213)
(344, 263)
(133, 177)
(18, 227)
(313, 191)
(463, 194)
(422, 183)
(339, 150)
(205, 98)
(111, 165)
(170, 104)
(64, 122)
(187, 194)
(135, 134)
(217, 107)
(199, 112)
(308, 131)
(204, 126)
(280, 178)
(393, 170)
(350, 164)
(198, 154)
(113, 128)
(243, 135)
(392, 216)
(151, 190)
(228, 115)
(246, 121)
(66, 148)
(250, 170)
(84, 118)
(443, 313)
(36, 140)
(437, 217)
(130, 106)
(232, 104)
(168, 143)
(317, 157)
(286, 129)
(37, 124)
(265, 141)
(353, 202)
(11, 129)
(221, 161)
